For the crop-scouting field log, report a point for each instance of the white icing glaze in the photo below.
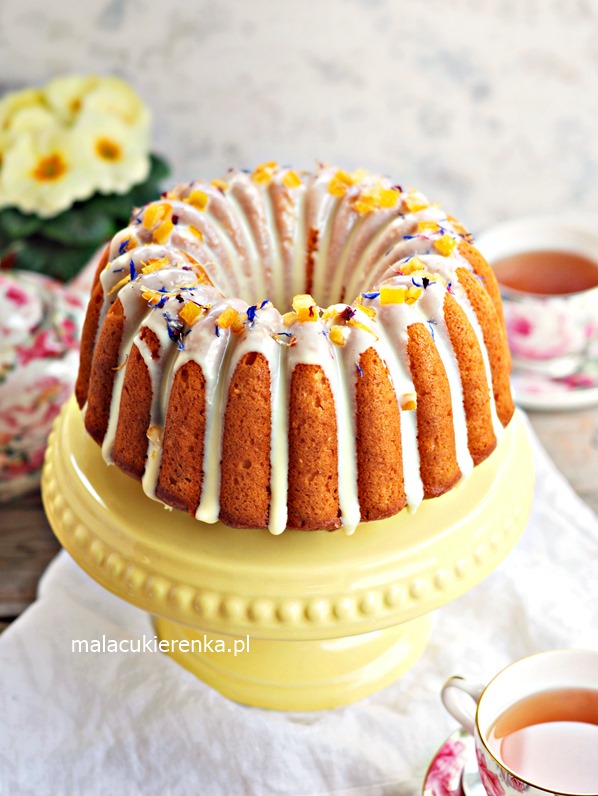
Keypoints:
(394, 320)
(279, 451)
(432, 304)
(313, 347)
(251, 240)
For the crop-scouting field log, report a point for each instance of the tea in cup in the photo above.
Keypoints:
(535, 724)
(548, 276)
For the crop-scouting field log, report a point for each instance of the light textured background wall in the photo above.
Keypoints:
(490, 106)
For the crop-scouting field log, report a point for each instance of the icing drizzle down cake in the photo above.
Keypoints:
(209, 373)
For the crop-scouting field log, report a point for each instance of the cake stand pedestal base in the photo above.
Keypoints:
(330, 618)
(297, 675)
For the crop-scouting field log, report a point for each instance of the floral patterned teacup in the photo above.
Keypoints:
(40, 328)
(553, 335)
(546, 671)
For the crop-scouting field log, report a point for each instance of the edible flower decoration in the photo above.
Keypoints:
(344, 316)
(74, 160)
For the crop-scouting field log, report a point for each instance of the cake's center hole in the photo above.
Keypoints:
(323, 288)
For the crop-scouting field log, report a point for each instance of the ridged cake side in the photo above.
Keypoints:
(194, 382)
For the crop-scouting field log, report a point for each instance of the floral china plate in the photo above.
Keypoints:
(578, 391)
(444, 776)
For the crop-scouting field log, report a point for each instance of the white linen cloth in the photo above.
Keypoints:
(118, 723)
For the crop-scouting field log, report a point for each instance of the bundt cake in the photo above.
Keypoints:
(195, 383)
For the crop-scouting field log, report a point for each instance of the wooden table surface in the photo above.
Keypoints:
(27, 544)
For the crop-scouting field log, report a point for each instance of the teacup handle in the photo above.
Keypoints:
(451, 696)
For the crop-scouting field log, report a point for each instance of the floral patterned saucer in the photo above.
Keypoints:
(537, 391)
(444, 776)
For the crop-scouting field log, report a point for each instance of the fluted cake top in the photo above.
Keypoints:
(265, 263)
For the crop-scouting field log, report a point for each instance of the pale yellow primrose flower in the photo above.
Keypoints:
(45, 173)
(5, 143)
(114, 155)
(114, 97)
(31, 119)
(16, 101)
(76, 136)
(65, 95)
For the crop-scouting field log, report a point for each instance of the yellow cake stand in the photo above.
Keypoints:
(329, 618)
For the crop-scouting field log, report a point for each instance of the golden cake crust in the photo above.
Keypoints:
(105, 363)
(313, 452)
(181, 470)
(89, 333)
(435, 430)
(245, 471)
(378, 436)
(495, 342)
(131, 440)
(476, 398)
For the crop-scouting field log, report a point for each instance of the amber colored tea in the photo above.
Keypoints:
(550, 739)
(547, 272)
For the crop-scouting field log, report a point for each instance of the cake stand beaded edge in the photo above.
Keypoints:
(306, 605)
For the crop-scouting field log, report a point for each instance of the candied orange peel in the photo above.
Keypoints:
(162, 232)
(198, 199)
(415, 201)
(376, 197)
(409, 401)
(155, 214)
(412, 265)
(230, 319)
(445, 245)
(338, 335)
(343, 180)
(290, 179)
(305, 307)
(190, 312)
(399, 294)
(264, 172)
(428, 226)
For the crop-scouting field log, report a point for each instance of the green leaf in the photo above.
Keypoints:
(117, 206)
(61, 246)
(159, 169)
(82, 225)
(15, 225)
(143, 193)
(50, 258)
(120, 206)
